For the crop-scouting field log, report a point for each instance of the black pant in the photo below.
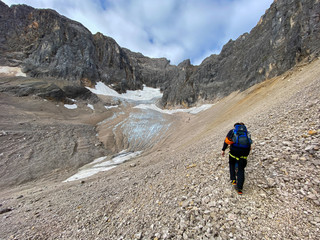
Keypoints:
(242, 163)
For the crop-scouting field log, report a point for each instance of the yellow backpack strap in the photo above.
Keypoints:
(238, 158)
(234, 157)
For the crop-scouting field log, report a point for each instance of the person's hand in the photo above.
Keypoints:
(222, 153)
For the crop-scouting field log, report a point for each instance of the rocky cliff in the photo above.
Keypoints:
(47, 44)
(285, 35)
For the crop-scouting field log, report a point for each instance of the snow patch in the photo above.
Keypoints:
(102, 89)
(100, 165)
(85, 173)
(70, 106)
(90, 106)
(147, 93)
(109, 107)
(11, 71)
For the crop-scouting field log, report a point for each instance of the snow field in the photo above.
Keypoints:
(138, 95)
(101, 165)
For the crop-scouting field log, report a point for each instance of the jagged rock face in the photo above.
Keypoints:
(113, 64)
(179, 90)
(47, 44)
(284, 36)
(150, 71)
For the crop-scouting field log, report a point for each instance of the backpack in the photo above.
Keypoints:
(241, 137)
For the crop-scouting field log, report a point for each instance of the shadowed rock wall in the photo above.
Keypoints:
(47, 44)
(286, 34)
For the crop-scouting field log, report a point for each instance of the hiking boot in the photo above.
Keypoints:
(233, 182)
(239, 191)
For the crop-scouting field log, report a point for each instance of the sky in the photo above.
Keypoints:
(174, 29)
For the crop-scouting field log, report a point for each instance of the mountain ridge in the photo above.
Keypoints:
(285, 35)
(69, 51)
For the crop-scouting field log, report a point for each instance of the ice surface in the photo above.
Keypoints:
(144, 129)
(193, 110)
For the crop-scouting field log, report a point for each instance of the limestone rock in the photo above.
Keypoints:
(47, 44)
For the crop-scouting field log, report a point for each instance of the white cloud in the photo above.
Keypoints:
(175, 29)
(245, 15)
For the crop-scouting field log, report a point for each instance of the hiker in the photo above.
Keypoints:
(240, 145)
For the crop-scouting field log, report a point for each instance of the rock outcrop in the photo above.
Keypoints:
(285, 35)
(47, 44)
(46, 88)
